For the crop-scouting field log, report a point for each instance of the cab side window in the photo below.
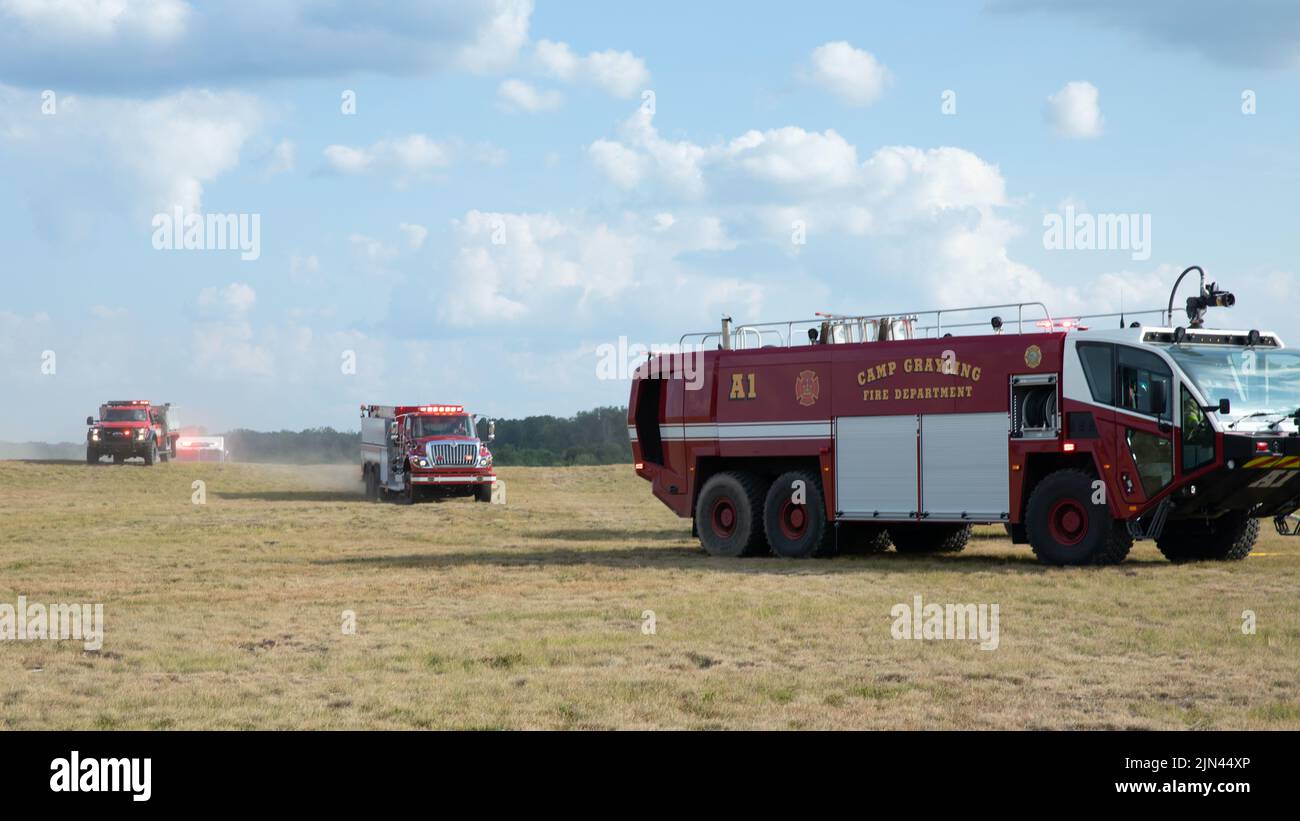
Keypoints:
(1144, 383)
(1098, 360)
(1198, 436)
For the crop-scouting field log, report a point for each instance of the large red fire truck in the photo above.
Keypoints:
(132, 428)
(854, 432)
(424, 451)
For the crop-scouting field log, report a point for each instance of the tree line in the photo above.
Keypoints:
(594, 437)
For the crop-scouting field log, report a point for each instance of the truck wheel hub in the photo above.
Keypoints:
(1068, 522)
(794, 519)
(724, 517)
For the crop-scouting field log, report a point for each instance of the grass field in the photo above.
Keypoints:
(230, 615)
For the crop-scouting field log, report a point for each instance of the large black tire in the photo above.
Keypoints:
(863, 537)
(797, 530)
(371, 478)
(930, 537)
(1228, 538)
(151, 455)
(483, 493)
(92, 456)
(1065, 526)
(729, 515)
(119, 459)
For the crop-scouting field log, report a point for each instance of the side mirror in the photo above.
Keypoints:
(1159, 399)
(492, 429)
(1225, 407)
(90, 420)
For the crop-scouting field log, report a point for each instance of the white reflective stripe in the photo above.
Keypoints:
(463, 480)
(738, 431)
(631, 432)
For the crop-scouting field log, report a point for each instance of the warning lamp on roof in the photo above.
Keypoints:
(442, 409)
(1061, 325)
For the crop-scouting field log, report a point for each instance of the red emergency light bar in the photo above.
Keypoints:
(121, 402)
(1061, 324)
(404, 410)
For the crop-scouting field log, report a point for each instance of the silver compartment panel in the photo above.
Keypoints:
(875, 466)
(964, 466)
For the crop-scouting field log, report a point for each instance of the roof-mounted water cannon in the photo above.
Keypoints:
(1209, 296)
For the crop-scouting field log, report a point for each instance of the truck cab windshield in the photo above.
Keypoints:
(441, 425)
(126, 415)
(1256, 381)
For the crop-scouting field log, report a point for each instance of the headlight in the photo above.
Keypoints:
(141, 433)
(419, 461)
(94, 434)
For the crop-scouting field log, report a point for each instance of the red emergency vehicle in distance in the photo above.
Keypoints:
(854, 432)
(132, 428)
(413, 451)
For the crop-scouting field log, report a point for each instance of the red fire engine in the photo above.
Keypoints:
(132, 428)
(413, 451)
(854, 432)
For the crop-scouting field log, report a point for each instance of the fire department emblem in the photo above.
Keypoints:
(807, 388)
(1033, 356)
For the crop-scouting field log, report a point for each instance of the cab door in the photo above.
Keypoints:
(159, 432)
(1144, 424)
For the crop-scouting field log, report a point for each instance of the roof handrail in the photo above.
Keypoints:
(785, 330)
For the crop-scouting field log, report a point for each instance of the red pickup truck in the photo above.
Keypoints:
(134, 428)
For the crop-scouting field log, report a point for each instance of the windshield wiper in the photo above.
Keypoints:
(1256, 415)
(1285, 416)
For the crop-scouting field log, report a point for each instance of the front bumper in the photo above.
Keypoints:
(120, 446)
(454, 479)
(1260, 483)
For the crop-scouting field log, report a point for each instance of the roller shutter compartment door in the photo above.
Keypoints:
(964, 466)
(875, 467)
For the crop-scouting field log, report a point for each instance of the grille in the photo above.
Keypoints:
(447, 455)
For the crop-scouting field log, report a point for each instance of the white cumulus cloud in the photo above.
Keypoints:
(623, 166)
(160, 151)
(1074, 111)
(517, 95)
(620, 73)
(414, 156)
(146, 46)
(100, 20)
(853, 75)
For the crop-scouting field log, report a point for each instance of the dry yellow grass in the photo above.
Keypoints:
(229, 615)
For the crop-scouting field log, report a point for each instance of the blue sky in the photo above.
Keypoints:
(529, 125)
